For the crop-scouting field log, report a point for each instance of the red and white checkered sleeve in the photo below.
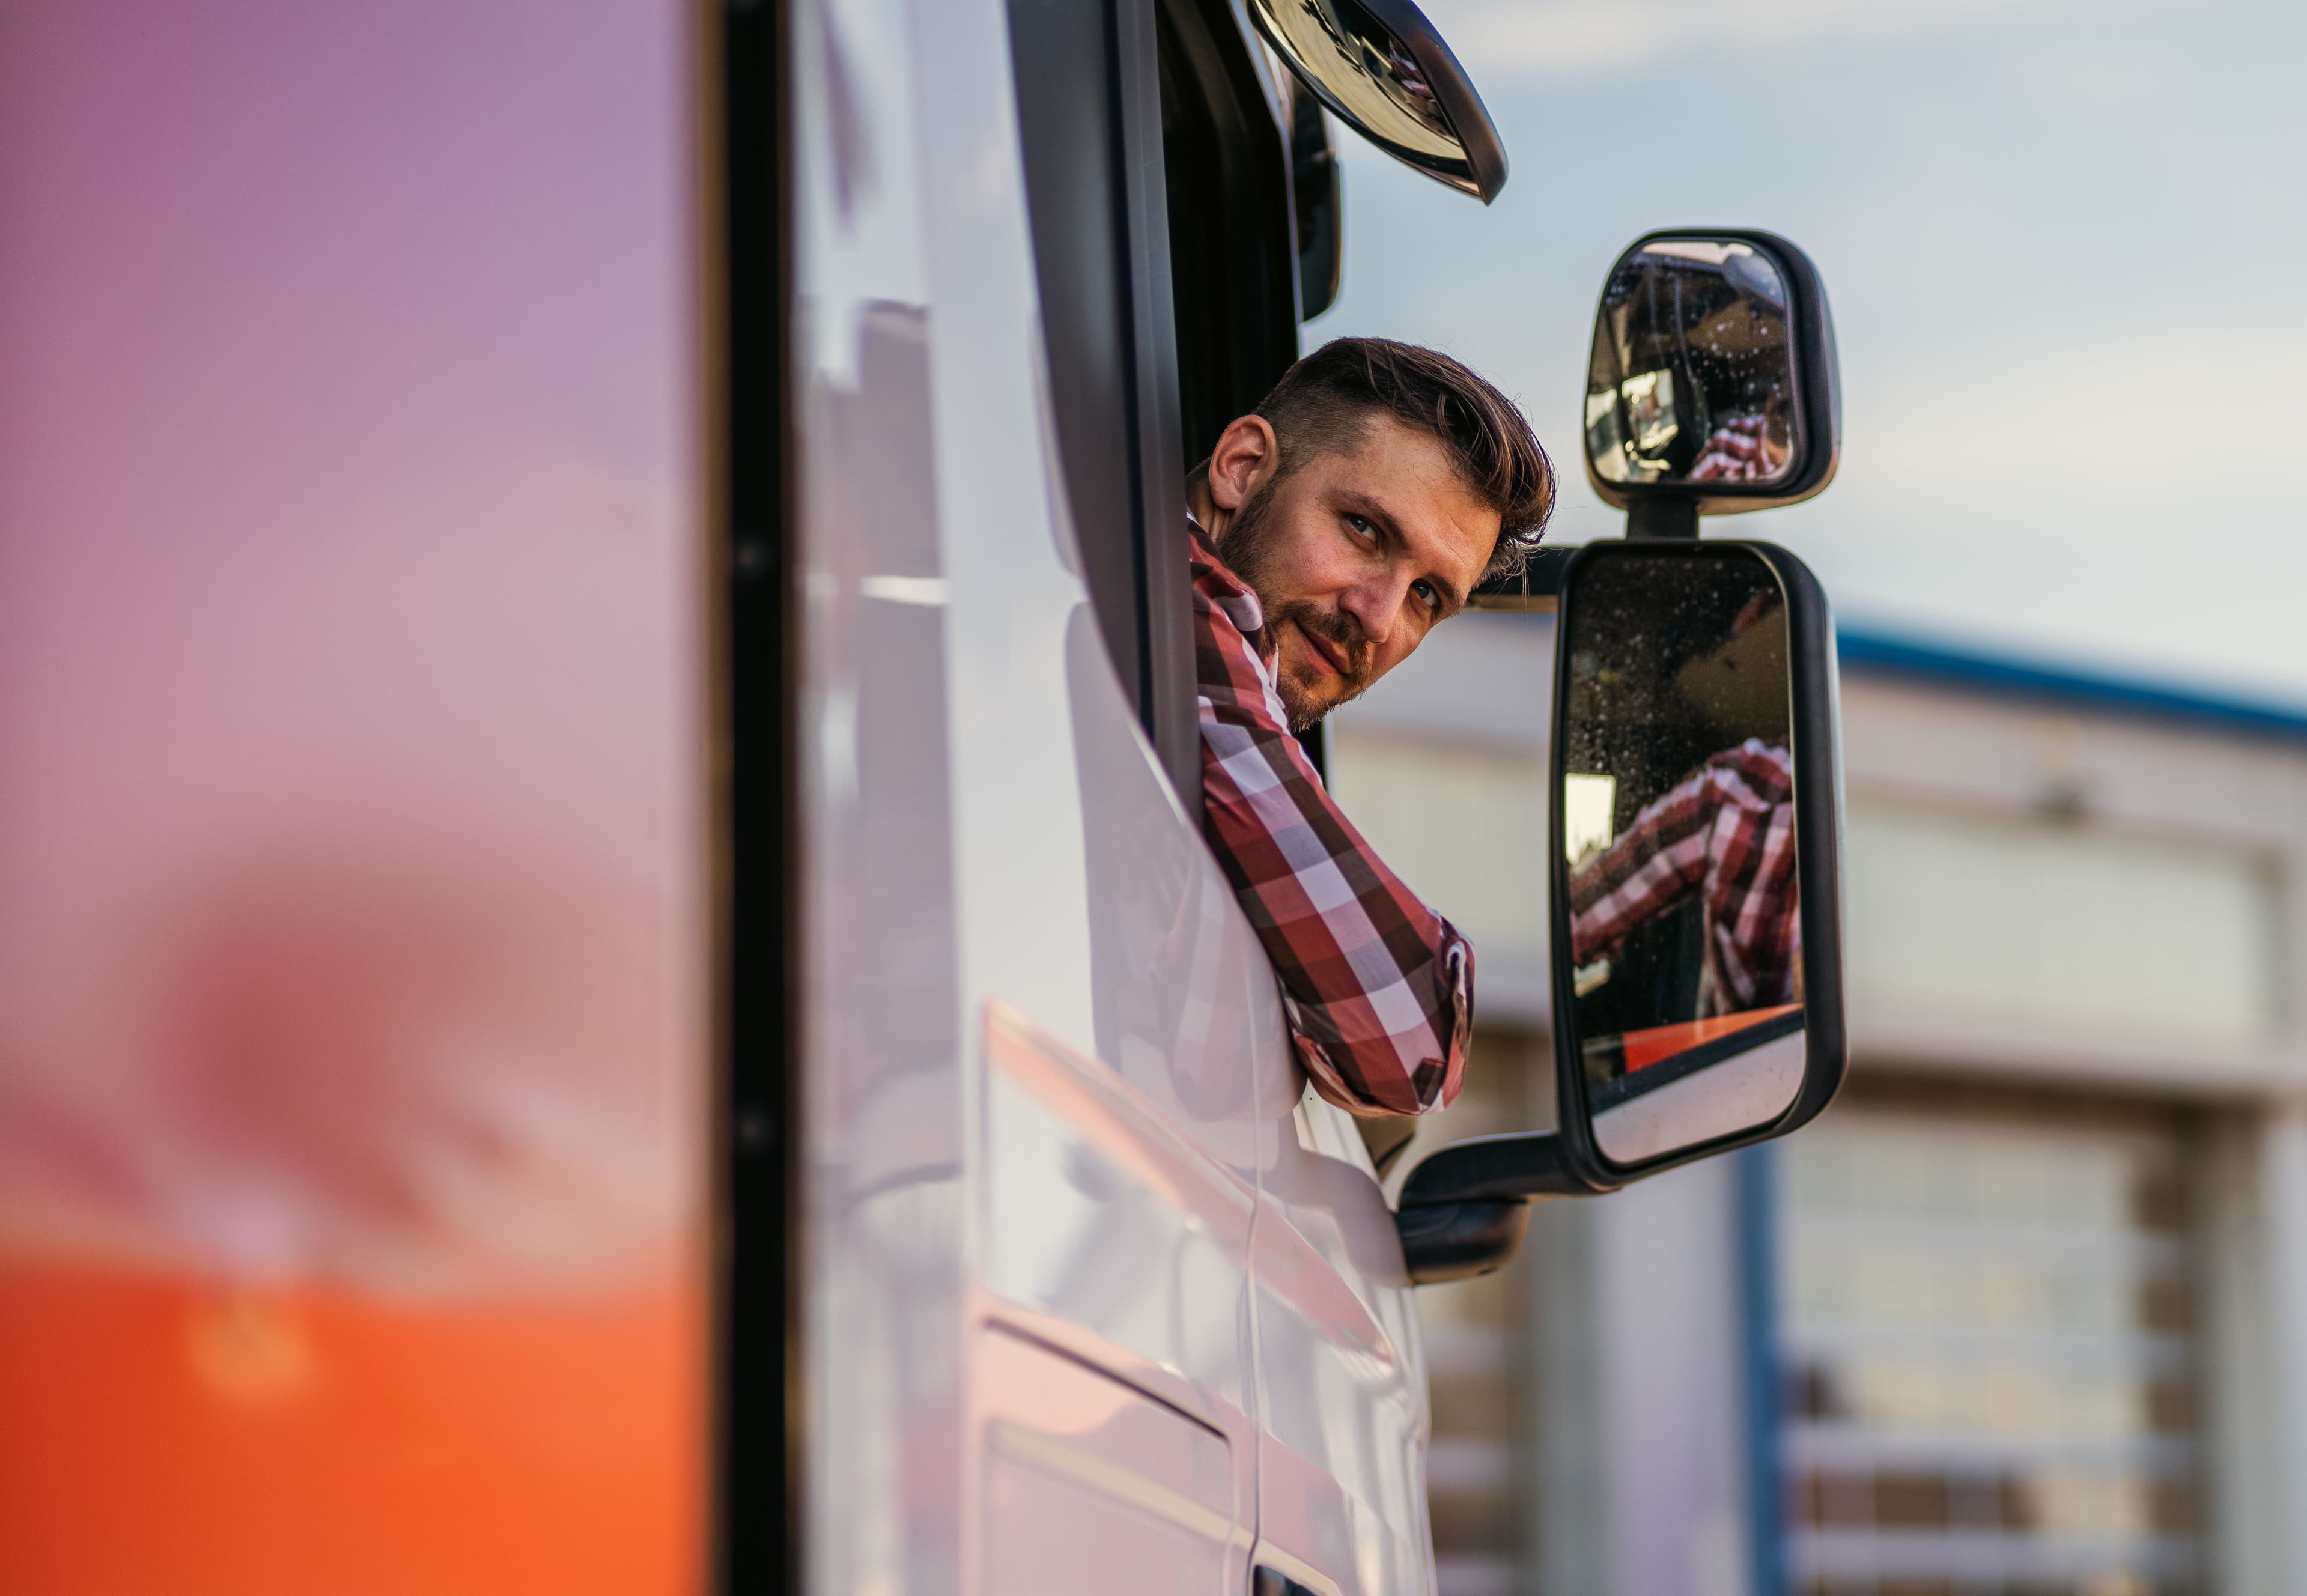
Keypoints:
(1659, 861)
(1378, 990)
(1733, 819)
(1758, 934)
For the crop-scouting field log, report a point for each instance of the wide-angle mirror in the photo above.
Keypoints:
(1711, 378)
(1682, 988)
(1382, 70)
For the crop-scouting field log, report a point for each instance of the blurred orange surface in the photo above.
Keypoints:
(160, 1434)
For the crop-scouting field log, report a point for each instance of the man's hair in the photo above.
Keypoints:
(1325, 403)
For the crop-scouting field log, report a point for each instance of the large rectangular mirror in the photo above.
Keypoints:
(1697, 811)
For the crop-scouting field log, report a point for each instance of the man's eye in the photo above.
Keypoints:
(1428, 594)
(1361, 528)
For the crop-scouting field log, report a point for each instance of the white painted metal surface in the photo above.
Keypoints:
(1077, 1255)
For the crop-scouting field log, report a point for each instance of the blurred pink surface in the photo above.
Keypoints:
(353, 919)
(348, 610)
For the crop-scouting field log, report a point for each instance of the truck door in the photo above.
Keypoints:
(1155, 144)
(1034, 1019)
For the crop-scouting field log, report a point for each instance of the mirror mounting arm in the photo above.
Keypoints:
(1495, 1168)
(1458, 1240)
(1659, 518)
(1465, 1210)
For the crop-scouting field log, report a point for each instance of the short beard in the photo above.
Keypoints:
(1249, 549)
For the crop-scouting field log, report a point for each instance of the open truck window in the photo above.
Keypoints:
(1232, 257)
(1160, 192)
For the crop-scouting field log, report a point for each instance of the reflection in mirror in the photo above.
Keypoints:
(1692, 378)
(1677, 808)
(1388, 88)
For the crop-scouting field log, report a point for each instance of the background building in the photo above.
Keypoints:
(2025, 1314)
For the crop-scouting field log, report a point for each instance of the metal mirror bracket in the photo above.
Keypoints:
(1662, 518)
(1463, 1210)
(1458, 1240)
(1495, 1168)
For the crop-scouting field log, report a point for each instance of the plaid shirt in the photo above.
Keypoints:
(1739, 451)
(1728, 834)
(1378, 990)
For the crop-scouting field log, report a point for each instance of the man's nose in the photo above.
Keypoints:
(1375, 604)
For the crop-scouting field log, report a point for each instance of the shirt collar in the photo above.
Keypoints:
(1220, 585)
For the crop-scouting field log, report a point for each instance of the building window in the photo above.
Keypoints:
(2059, 927)
(1988, 1332)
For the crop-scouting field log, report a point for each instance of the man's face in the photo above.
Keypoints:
(1354, 556)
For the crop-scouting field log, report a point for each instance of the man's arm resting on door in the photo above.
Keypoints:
(1377, 988)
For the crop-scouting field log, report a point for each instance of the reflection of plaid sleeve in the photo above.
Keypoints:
(1378, 989)
(1736, 452)
(1727, 831)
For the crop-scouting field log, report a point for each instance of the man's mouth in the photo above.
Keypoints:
(1323, 650)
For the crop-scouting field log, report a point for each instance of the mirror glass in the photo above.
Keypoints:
(1678, 830)
(1691, 380)
(1372, 78)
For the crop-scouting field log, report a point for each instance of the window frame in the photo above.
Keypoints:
(1106, 93)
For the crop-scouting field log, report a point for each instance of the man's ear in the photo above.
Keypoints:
(1245, 459)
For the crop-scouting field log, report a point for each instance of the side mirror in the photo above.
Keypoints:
(1712, 386)
(1696, 854)
(1696, 838)
(1383, 70)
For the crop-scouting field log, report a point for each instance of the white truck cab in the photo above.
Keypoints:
(1090, 1291)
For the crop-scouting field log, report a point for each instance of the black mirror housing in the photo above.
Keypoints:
(1699, 1058)
(1713, 385)
(1383, 70)
(1809, 735)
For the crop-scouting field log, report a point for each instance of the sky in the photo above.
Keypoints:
(2059, 238)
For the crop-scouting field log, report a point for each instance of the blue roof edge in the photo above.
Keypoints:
(1887, 654)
